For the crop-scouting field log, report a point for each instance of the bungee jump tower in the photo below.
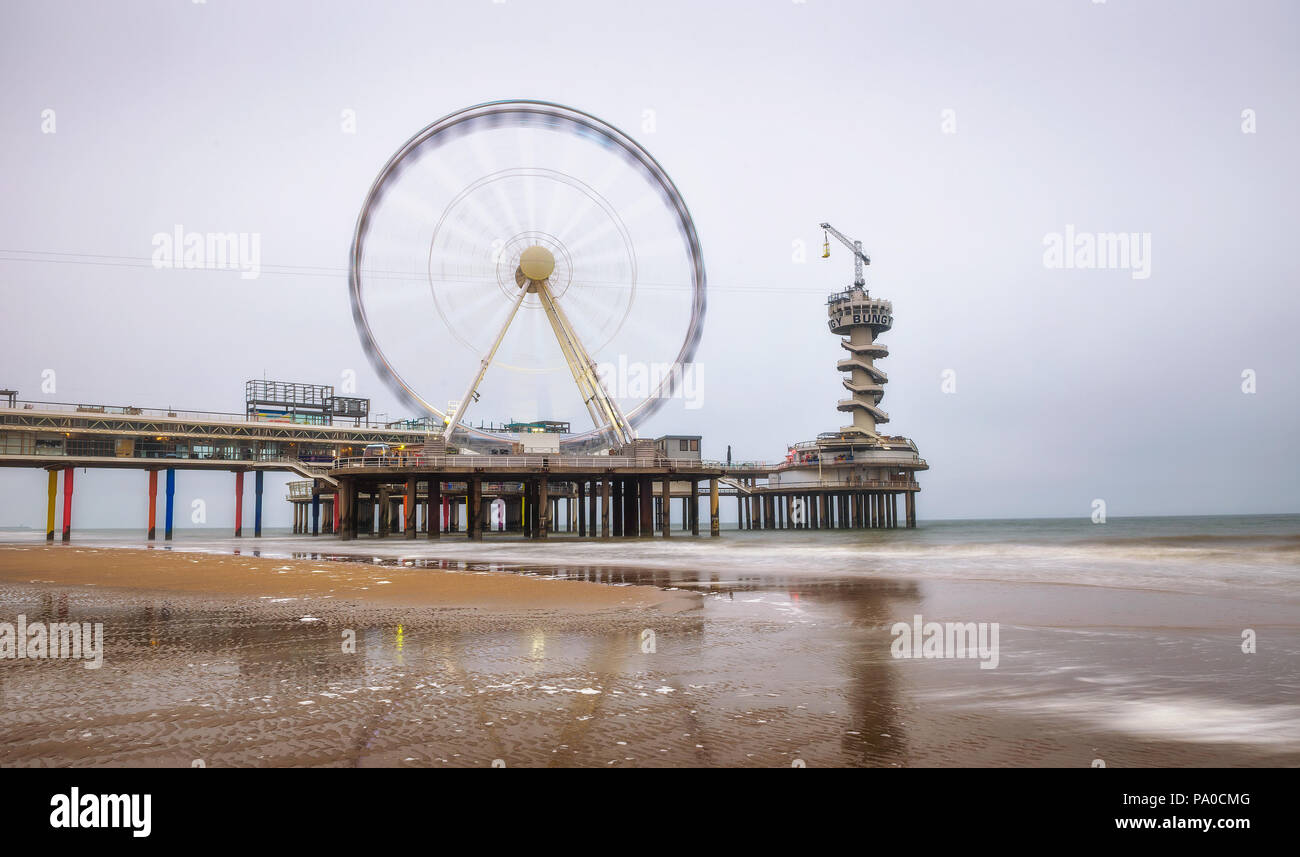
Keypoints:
(852, 477)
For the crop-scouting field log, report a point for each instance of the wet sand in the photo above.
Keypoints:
(245, 576)
(238, 661)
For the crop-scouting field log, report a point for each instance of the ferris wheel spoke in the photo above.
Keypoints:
(388, 298)
(595, 319)
(615, 173)
(599, 240)
(599, 262)
(586, 223)
(505, 208)
(472, 300)
(527, 155)
(467, 205)
(471, 326)
(453, 422)
(455, 231)
(552, 223)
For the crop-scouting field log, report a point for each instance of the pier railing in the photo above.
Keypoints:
(130, 411)
(135, 448)
(900, 461)
(192, 416)
(300, 489)
(587, 463)
(557, 462)
(740, 466)
(842, 485)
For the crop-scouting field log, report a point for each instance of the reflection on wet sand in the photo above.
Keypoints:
(867, 671)
(765, 669)
(252, 682)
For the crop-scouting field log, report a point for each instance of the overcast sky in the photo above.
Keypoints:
(771, 116)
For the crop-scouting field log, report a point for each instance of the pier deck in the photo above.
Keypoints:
(597, 496)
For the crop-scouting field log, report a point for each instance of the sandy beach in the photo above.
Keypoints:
(237, 660)
(244, 577)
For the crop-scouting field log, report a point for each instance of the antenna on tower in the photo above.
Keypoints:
(859, 258)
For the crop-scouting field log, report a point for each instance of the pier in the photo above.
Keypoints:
(596, 496)
(61, 437)
(410, 493)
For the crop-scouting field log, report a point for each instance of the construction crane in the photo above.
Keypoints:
(859, 258)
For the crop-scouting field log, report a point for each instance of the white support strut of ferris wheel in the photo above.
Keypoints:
(452, 421)
(535, 267)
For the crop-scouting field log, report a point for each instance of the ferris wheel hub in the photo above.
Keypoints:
(537, 263)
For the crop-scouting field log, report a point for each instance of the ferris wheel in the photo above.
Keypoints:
(527, 261)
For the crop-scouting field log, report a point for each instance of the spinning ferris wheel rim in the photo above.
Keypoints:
(560, 116)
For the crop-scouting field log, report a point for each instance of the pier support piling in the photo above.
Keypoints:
(646, 530)
(239, 504)
(543, 507)
(433, 517)
(607, 507)
(350, 512)
(257, 504)
(153, 503)
(53, 491)
(385, 513)
(667, 523)
(715, 523)
(67, 504)
(171, 496)
(410, 507)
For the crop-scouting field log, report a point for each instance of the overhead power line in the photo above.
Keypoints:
(50, 257)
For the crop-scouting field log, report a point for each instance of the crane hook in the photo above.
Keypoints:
(826, 245)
